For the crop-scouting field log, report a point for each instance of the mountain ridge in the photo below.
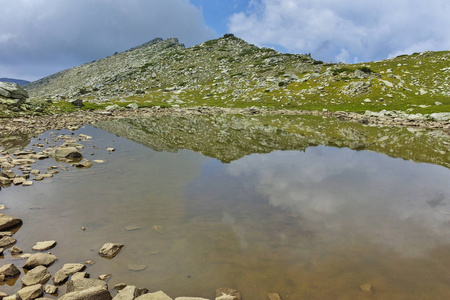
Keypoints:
(14, 80)
(229, 72)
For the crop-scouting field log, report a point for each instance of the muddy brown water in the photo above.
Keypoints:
(312, 224)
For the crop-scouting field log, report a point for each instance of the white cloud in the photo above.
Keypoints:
(335, 30)
(348, 193)
(40, 37)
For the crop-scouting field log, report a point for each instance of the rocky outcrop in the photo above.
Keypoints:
(12, 91)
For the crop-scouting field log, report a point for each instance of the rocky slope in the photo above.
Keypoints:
(228, 137)
(229, 72)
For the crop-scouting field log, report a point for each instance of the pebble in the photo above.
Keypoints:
(105, 277)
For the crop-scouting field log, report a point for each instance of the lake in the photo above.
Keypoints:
(307, 207)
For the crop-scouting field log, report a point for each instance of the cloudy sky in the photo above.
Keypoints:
(41, 37)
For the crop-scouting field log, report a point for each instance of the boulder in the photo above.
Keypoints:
(31, 292)
(93, 293)
(109, 250)
(9, 271)
(40, 259)
(42, 246)
(154, 296)
(12, 91)
(40, 274)
(67, 270)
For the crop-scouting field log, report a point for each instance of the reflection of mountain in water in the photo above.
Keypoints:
(230, 137)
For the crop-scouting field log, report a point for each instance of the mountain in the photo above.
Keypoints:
(229, 72)
(18, 81)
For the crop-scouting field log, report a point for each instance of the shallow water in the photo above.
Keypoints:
(310, 224)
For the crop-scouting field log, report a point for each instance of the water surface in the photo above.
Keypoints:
(312, 223)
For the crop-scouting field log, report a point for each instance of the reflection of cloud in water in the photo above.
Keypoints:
(359, 195)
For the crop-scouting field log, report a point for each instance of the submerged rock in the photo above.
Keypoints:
(109, 250)
(273, 296)
(227, 293)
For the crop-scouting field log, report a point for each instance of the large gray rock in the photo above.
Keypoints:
(31, 292)
(130, 292)
(9, 271)
(8, 222)
(40, 274)
(109, 250)
(67, 270)
(154, 296)
(93, 293)
(12, 90)
(40, 259)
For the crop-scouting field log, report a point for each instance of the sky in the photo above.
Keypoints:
(41, 37)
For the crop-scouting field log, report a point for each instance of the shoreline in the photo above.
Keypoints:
(42, 123)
